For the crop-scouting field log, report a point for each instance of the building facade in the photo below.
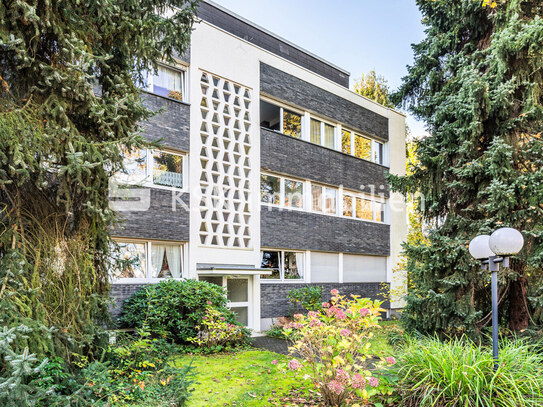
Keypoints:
(271, 175)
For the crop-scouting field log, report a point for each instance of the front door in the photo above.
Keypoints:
(238, 294)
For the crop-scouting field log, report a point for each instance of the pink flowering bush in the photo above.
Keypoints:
(215, 331)
(333, 345)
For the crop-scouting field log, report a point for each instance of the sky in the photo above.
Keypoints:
(356, 35)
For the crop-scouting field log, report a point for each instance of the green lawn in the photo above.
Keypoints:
(241, 379)
(248, 378)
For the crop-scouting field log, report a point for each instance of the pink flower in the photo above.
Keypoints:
(358, 381)
(298, 316)
(345, 332)
(364, 312)
(222, 319)
(294, 364)
(334, 292)
(335, 387)
(325, 304)
(314, 323)
(391, 360)
(274, 362)
(209, 303)
(312, 314)
(340, 315)
(373, 381)
(342, 376)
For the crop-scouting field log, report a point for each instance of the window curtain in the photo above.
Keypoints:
(328, 136)
(300, 264)
(173, 255)
(157, 257)
(315, 131)
(168, 78)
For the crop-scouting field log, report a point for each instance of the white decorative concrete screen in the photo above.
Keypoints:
(224, 158)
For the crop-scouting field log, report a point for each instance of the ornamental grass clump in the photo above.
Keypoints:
(333, 346)
(460, 373)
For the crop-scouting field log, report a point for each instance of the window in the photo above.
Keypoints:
(282, 120)
(152, 168)
(377, 152)
(270, 189)
(147, 260)
(362, 208)
(362, 147)
(168, 82)
(281, 191)
(285, 265)
(315, 136)
(324, 199)
(167, 169)
(322, 133)
(346, 141)
(294, 193)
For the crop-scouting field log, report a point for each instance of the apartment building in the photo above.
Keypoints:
(271, 175)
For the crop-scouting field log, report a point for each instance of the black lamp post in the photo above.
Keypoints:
(491, 251)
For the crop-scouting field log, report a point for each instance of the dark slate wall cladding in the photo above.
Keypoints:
(160, 221)
(120, 293)
(297, 230)
(274, 302)
(290, 89)
(248, 32)
(171, 125)
(287, 155)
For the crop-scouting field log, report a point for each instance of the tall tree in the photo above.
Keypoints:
(68, 101)
(477, 83)
(374, 87)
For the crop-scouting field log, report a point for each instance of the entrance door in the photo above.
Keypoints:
(238, 294)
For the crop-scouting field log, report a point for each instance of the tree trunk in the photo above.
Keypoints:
(519, 317)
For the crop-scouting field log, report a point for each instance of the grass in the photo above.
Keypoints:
(379, 343)
(241, 379)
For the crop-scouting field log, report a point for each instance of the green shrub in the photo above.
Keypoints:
(460, 373)
(174, 308)
(310, 297)
(276, 332)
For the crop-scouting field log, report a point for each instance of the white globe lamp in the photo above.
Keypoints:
(479, 247)
(506, 241)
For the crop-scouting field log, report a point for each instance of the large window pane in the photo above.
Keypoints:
(242, 314)
(316, 198)
(324, 267)
(377, 152)
(362, 147)
(346, 141)
(130, 260)
(237, 289)
(294, 265)
(168, 169)
(363, 209)
(292, 124)
(315, 133)
(168, 82)
(270, 116)
(294, 193)
(270, 189)
(379, 210)
(328, 136)
(135, 165)
(331, 201)
(271, 259)
(347, 205)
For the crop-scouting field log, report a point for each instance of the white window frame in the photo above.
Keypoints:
(147, 180)
(374, 147)
(323, 199)
(282, 108)
(182, 69)
(374, 207)
(282, 278)
(183, 247)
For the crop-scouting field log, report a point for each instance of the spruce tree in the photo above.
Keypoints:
(68, 102)
(477, 82)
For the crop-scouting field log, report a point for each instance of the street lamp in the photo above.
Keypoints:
(493, 250)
